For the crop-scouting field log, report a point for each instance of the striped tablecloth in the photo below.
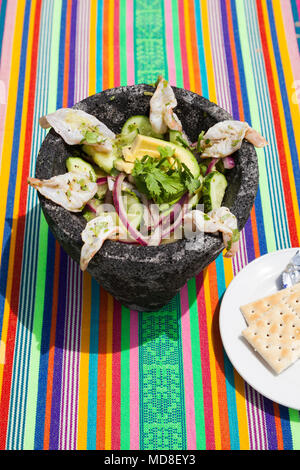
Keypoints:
(77, 369)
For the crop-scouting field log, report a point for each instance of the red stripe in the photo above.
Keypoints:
(279, 137)
(14, 306)
(185, 69)
(205, 366)
(116, 379)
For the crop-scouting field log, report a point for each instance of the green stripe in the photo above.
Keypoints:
(176, 43)
(162, 411)
(42, 254)
(149, 42)
(256, 123)
(125, 380)
(196, 364)
(123, 45)
(295, 428)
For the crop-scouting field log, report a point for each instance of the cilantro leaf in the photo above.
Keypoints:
(161, 180)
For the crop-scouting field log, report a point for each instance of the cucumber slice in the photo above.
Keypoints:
(78, 165)
(137, 125)
(177, 138)
(213, 190)
(133, 207)
(104, 160)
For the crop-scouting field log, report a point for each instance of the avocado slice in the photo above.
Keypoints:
(145, 145)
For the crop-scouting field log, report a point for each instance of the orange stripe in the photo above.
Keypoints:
(101, 398)
(278, 426)
(51, 349)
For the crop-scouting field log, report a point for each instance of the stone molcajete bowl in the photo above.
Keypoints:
(146, 278)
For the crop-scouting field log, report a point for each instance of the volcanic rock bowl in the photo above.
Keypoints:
(146, 278)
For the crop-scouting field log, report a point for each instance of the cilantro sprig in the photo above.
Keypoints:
(163, 179)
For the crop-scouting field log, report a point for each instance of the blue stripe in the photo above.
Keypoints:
(93, 367)
(286, 428)
(201, 54)
(99, 51)
(296, 19)
(2, 23)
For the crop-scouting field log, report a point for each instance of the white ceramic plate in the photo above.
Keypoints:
(259, 278)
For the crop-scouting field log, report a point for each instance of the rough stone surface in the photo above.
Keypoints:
(146, 278)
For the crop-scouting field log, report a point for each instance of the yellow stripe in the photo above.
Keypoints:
(208, 54)
(2, 352)
(108, 397)
(212, 361)
(7, 147)
(188, 43)
(228, 271)
(111, 76)
(84, 362)
(92, 46)
(294, 108)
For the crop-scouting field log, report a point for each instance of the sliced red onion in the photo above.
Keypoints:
(228, 163)
(91, 208)
(178, 221)
(119, 206)
(212, 165)
(102, 180)
(173, 213)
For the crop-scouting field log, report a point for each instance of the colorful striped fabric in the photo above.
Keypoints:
(77, 369)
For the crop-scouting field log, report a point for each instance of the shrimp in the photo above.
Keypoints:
(94, 235)
(218, 220)
(78, 127)
(228, 226)
(70, 190)
(162, 103)
(225, 137)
